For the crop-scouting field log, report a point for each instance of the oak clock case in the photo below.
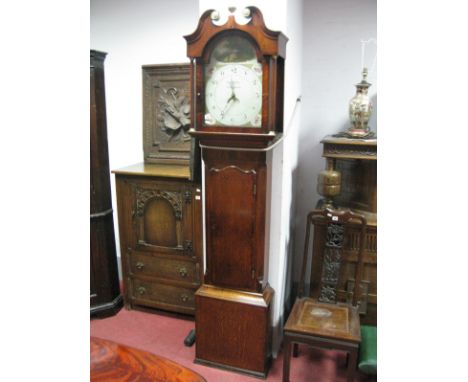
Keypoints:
(237, 78)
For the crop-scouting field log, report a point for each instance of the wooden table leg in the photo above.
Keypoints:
(295, 351)
(352, 364)
(286, 359)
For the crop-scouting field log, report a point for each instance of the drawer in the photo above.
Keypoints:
(164, 266)
(163, 296)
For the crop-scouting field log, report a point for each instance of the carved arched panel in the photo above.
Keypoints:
(159, 215)
(160, 226)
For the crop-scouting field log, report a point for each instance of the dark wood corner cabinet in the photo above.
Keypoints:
(159, 211)
(105, 297)
(356, 161)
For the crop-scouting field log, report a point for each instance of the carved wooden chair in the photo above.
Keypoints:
(324, 322)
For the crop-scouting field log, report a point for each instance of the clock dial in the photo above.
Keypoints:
(233, 95)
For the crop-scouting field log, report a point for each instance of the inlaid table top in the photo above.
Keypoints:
(311, 317)
(119, 363)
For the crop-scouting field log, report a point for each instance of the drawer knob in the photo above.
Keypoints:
(184, 297)
(141, 290)
(183, 272)
(140, 265)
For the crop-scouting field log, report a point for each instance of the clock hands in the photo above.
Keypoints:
(231, 84)
(230, 100)
(228, 105)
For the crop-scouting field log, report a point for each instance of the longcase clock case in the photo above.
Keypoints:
(233, 305)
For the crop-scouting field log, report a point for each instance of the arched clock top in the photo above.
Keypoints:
(221, 47)
(237, 79)
(270, 43)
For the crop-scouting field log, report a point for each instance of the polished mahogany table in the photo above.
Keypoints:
(119, 363)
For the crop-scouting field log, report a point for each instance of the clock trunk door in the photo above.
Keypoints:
(231, 216)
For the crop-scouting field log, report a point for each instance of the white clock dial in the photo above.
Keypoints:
(233, 95)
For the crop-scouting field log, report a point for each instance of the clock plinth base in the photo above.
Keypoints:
(234, 329)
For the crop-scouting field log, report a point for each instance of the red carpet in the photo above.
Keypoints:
(164, 335)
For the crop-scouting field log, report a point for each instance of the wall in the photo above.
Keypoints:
(150, 33)
(331, 65)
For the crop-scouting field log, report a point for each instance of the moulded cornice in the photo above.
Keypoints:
(271, 43)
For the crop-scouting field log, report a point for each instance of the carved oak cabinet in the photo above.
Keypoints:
(160, 239)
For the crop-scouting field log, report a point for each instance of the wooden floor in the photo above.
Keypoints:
(119, 363)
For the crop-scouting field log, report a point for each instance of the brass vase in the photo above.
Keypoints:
(328, 185)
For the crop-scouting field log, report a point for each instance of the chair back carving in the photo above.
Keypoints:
(336, 222)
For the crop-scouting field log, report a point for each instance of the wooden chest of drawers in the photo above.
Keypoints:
(160, 236)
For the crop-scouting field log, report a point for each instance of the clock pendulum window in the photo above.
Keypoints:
(237, 86)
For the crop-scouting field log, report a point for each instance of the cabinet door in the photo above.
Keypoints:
(231, 218)
(162, 217)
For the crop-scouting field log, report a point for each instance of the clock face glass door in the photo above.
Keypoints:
(233, 85)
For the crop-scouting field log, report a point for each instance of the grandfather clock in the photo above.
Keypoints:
(237, 81)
